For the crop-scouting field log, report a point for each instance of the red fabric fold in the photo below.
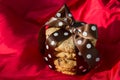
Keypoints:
(20, 21)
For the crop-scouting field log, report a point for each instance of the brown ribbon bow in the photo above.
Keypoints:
(84, 36)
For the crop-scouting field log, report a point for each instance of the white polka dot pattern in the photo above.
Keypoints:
(88, 46)
(97, 59)
(79, 42)
(93, 28)
(49, 55)
(52, 43)
(84, 70)
(50, 66)
(46, 59)
(88, 56)
(70, 15)
(84, 34)
(60, 23)
(58, 14)
(65, 19)
(66, 33)
(47, 47)
(55, 34)
(79, 53)
(81, 67)
(79, 30)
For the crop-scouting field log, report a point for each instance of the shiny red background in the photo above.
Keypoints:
(20, 21)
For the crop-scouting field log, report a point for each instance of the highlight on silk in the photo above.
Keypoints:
(69, 47)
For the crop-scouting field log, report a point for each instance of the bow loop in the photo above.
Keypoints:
(88, 31)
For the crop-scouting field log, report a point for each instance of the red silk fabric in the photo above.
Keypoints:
(20, 21)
